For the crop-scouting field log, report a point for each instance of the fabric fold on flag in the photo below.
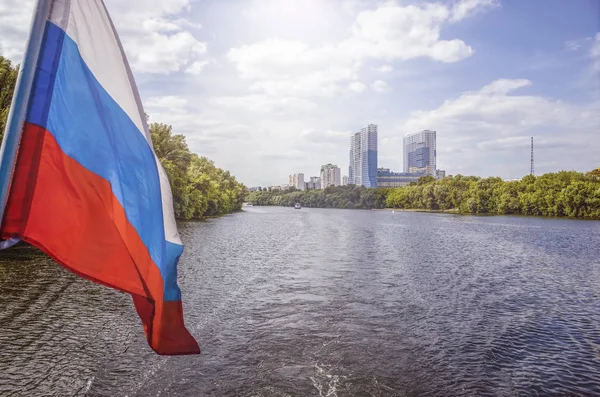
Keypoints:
(87, 187)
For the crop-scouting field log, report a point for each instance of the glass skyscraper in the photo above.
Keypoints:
(420, 152)
(363, 157)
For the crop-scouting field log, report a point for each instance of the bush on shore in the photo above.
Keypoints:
(565, 193)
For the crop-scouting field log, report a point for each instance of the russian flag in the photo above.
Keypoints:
(86, 186)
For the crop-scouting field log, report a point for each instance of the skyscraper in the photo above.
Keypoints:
(313, 184)
(363, 157)
(297, 181)
(420, 152)
(330, 176)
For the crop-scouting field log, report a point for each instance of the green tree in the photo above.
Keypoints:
(8, 79)
(200, 189)
(175, 157)
(424, 180)
(508, 198)
(565, 193)
(595, 172)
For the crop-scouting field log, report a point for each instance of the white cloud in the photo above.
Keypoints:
(389, 32)
(467, 8)
(284, 67)
(352, 7)
(265, 104)
(169, 102)
(357, 86)
(385, 69)
(590, 46)
(154, 40)
(380, 86)
(155, 52)
(160, 25)
(320, 137)
(197, 67)
(205, 136)
(523, 142)
(146, 9)
(595, 52)
(572, 45)
(15, 20)
(492, 110)
(504, 86)
(450, 51)
(394, 32)
(281, 155)
(494, 119)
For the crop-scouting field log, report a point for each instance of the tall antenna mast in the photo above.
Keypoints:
(532, 172)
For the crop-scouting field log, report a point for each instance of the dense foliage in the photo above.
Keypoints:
(8, 78)
(199, 188)
(566, 193)
(350, 196)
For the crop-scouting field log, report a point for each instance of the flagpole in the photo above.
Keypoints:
(18, 108)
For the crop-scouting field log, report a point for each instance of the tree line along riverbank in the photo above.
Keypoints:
(200, 189)
(565, 193)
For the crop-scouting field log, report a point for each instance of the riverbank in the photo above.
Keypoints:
(564, 194)
(450, 211)
(454, 211)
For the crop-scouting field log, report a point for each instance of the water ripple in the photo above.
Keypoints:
(327, 303)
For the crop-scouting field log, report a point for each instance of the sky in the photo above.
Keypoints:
(268, 88)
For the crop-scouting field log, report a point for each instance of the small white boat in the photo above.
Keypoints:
(297, 206)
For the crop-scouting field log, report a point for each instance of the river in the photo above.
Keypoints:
(322, 302)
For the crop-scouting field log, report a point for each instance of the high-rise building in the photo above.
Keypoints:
(314, 183)
(420, 152)
(299, 181)
(344, 180)
(363, 157)
(351, 176)
(330, 176)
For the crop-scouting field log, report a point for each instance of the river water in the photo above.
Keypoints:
(318, 302)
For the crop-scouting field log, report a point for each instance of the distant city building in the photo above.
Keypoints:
(420, 152)
(297, 181)
(440, 174)
(344, 180)
(387, 178)
(330, 176)
(362, 168)
(255, 189)
(314, 183)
